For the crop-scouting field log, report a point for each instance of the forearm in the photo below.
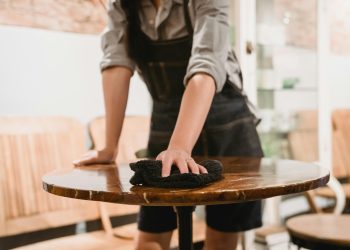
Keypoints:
(194, 109)
(116, 81)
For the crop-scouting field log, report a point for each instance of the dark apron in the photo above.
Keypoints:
(229, 129)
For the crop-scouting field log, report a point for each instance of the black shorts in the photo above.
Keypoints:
(229, 130)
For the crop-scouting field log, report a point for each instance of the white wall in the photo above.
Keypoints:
(54, 73)
(340, 81)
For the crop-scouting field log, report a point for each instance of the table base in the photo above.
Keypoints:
(184, 223)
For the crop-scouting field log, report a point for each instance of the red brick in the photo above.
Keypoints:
(84, 16)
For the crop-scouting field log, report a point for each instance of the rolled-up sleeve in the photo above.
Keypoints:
(113, 39)
(210, 41)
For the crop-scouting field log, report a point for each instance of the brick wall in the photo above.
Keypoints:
(83, 16)
(340, 27)
(300, 19)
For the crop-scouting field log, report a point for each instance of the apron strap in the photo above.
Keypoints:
(189, 26)
(131, 8)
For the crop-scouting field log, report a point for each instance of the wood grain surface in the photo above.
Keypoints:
(325, 228)
(244, 179)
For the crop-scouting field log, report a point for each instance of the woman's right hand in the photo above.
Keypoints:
(96, 157)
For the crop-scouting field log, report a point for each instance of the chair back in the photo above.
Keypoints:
(29, 148)
(134, 136)
(307, 120)
(303, 143)
(341, 126)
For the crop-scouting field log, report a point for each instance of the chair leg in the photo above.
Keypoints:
(291, 246)
(271, 213)
(106, 221)
(335, 185)
(248, 240)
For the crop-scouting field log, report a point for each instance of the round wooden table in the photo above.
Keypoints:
(245, 179)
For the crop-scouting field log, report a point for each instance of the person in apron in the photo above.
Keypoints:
(229, 129)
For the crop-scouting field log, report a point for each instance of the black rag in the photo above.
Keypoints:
(149, 173)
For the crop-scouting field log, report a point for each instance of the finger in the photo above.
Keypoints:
(84, 161)
(160, 156)
(182, 165)
(88, 153)
(76, 162)
(202, 169)
(166, 166)
(193, 166)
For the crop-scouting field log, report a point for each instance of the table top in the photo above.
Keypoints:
(244, 179)
(321, 229)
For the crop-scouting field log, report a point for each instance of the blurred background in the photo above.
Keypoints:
(50, 58)
(51, 52)
(295, 56)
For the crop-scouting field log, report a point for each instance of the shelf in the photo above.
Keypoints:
(280, 89)
(282, 133)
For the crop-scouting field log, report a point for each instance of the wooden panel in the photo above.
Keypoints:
(50, 219)
(341, 124)
(29, 148)
(341, 155)
(304, 141)
(307, 120)
(134, 136)
(88, 241)
(97, 132)
(303, 145)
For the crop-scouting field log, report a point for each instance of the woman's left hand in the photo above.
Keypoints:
(182, 160)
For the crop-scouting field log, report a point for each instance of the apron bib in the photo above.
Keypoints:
(229, 128)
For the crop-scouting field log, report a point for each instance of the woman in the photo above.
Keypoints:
(181, 49)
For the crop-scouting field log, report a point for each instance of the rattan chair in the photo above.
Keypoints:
(31, 147)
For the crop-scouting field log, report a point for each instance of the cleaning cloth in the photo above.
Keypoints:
(149, 173)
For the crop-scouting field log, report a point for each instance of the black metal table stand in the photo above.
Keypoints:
(184, 223)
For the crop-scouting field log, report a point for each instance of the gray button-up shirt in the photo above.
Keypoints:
(211, 50)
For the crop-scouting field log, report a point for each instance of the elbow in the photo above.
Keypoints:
(202, 82)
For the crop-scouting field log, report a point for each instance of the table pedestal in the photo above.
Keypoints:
(184, 223)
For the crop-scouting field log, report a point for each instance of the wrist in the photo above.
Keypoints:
(179, 146)
(111, 151)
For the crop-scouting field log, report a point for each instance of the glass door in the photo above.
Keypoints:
(286, 78)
